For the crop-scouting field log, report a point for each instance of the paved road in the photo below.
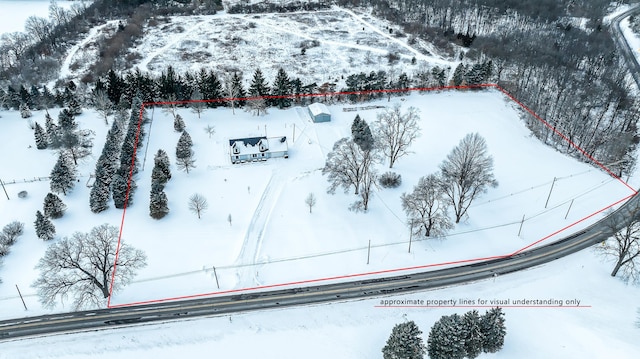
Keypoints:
(250, 301)
(626, 51)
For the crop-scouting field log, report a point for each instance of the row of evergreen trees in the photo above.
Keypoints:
(451, 337)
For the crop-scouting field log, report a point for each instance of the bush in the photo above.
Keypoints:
(390, 180)
(22, 194)
(11, 232)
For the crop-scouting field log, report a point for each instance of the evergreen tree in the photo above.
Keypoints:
(361, 134)
(493, 330)
(405, 342)
(236, 90)
(210, 87)
(47, 99)
(35, 98)
(158, 207)
(258, 86)
(63, 175)
(183, 148)
(178, 123)
(53, 206)
(45, 230)
(25, 112)
(24, 96)
(41, 137)
(282, 87)
(161, 172)
(473, 337)
(74, 105)
(444, 340)
(115, 86)
(458, 75)
(107, 165)
(119, 188)
(52, 132)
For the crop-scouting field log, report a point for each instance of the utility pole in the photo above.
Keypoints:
(521, 223)
(369, 252)
(216, 275)
(20, 294)
(549, 196)
(571, 204)
(5, 190)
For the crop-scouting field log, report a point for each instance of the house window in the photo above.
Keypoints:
(254, 155)
(236, 157)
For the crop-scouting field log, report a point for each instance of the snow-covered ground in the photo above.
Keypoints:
(16, 12)
(272, 238)
(336, 43)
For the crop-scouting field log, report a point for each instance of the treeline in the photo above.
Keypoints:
(565, 69)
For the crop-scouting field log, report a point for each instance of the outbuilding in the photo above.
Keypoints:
(319, 112)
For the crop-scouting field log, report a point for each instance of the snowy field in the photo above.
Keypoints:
(16, 12)
(601, 327)
(272, 238)
(337, 43)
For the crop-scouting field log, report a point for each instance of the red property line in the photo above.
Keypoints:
(481, 306)
(394, 270)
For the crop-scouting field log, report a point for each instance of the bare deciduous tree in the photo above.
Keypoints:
(397, 131)
(624, 246)
(198, 204)
(466, 173)
(197, 104)
(210, 130)
(257, 106)
(348, 165)
(310, 201)
(81, 267)
(426, 208)
(103, 105)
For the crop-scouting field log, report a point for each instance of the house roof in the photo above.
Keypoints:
(319, 109)
(250, 145)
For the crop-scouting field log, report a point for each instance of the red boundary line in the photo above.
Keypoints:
(394, 270)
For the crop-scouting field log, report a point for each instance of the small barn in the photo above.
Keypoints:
(252, 149)
(319, 112)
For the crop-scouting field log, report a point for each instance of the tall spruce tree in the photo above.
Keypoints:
(161, 172)
(258, 87)
(63, 175)
(473, 337)
(53, 206)
(45, 230)
(445, 340)
(210, 87)
(183, 148)
(282, 89)
(42, 142)
(493, 330)
(405, 342)
(178, 123)
(158, 202)
(52, 131)
(361, 134)
(120, 186)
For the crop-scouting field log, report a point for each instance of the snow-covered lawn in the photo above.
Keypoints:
(273, 238)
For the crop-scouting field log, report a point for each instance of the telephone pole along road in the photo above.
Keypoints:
(337, 292)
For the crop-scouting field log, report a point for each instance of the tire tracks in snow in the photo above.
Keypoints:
(254, 236)
(65, 70)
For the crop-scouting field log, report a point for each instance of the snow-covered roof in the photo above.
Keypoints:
(252, 145)
(318, 108)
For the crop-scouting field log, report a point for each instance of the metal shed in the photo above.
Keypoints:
(319, 112)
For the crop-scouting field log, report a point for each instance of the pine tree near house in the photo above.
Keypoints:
(158, 202)
(161, 172)
(283, 89)
(52, 132)
(42, 142)
(53, 206)
(258, 87)
(405, 342)
(45, 230)
(473, 336)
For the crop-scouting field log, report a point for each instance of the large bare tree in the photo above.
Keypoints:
(426, 208)
(623, 247)
(81, 267)
(466, 173)
(396, 131)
